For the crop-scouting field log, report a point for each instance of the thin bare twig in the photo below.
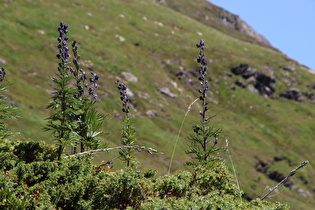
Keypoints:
(108, 162)
(136, 147)
(287, 177)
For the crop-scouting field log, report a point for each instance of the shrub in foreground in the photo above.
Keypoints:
(75, 183)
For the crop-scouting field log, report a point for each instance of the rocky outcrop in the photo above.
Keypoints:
(289, 68)
(311, 96)
(299, 96)
(255, 81)
(218, 18)
(235, 22)
(311, 86)
(292, 94)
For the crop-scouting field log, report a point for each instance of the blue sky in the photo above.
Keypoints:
(289, 25)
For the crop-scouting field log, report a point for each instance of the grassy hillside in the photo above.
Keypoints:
(156, 44)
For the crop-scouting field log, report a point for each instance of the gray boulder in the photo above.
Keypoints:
(129, 77)
(256, 81)
(292, 94)
(167, 92)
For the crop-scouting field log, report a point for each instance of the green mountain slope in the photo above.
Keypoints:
(268, 135)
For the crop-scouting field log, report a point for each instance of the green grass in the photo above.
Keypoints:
(285, 128)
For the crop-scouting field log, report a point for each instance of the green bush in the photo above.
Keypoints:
(75, 183)
(121, 189)
(34, 151)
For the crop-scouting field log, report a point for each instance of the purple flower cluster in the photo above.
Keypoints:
(90, 84)
(62, 46)
(202, 78)
(123, 96)
(83, 82)
(2, 74)
(94, 85)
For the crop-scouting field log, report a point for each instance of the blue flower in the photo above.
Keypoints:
(91, 90)
(74, 43)
(202, 43)
(123, 96)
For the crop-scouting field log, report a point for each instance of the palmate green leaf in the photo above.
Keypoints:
(97, 134)
(212, 132)
(4, 86)
(8, 112)
(89, 124)
(196, 140)
(61, 82)
(214, 150)
(94, 122)
(65, 141)
(128, 133)
(63, 100)
(194, 150)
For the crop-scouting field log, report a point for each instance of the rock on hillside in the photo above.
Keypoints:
(235, 22)
(218, 18)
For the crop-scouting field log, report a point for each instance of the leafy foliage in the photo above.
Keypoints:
(74, 183)
(6, 111)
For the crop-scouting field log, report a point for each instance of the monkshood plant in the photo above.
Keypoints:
(75, 119)
(63, 103)
(6, 111)
(128, 134)
(205, 138)
(90, 121)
